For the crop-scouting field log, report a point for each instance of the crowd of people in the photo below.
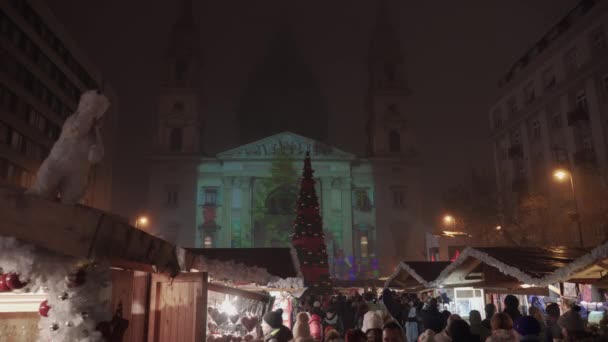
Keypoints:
(409, 318)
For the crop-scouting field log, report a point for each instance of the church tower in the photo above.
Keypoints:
(387, 125)
(391, 149)
(179, 125)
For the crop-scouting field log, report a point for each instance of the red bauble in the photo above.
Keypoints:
(13, 281)
(44, 308)
(3, 286)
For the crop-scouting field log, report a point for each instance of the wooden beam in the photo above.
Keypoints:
(82, 232)
(233, 291)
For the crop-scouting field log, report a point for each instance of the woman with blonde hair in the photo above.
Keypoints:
(502, 329)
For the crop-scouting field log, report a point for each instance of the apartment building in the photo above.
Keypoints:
(552, 113)
(42, 74)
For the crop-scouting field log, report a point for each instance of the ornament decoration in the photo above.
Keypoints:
(44, 308)
(13, 282)
(3, 286)
(308, 238)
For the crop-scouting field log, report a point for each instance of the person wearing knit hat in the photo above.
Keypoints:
(273, 328)
(301, 330)
(528, 328)
(372, 320)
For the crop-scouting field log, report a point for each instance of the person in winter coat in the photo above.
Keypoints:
(374, 335)
(538, 315)
(528, 329)
(477, 327)
(372, 320)
(460, 331)
(444, 336)
(301, 330)
(512, 307)
(355, 335)
(502, 329)
(332, 319)
(553, 330)
(431, 317)
(411, 322)
(316, 328)
(273, 328)
(571, 322)
(490, 310)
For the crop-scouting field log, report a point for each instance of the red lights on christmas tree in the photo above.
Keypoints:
(308, 237)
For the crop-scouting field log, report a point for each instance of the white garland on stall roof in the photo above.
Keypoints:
(74, 318)
(231, 270)
(560, 275)
(491, 261)
(405, 267)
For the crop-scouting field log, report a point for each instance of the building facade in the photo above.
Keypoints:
(42, 74)
(553, 113)
(245, 197)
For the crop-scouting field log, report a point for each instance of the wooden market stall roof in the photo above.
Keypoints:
(278, 262)
(509, 266)
(590, 268)
(416, 275)
(82, 232)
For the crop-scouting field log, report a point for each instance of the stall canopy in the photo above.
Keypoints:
(509, 267)
(590, 268)
(270, 267)
(415, 275)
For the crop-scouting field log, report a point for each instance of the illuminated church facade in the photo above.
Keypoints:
(245, 196)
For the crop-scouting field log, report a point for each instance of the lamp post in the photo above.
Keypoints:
(449, 221)
(562, 175)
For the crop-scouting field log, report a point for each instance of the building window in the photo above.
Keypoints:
(172, 198)
(588, 142)
(581, 101)
(398, 198)
(17, 141)
(362, 200)
(364, 246)
(516, 136)
(556, 120)
(210, 197)
(512, 105)
(394, 141)
(237, 201)
(549, 78)
(572, 60)
(535, 129)
(178, 106)
(598, 39)
(497, 118)
(529, 94)
(208, 242)
(175, 140)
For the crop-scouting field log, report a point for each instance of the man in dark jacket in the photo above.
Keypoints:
(490, 310)
(431, 317)
(512, 307)
(273, 328)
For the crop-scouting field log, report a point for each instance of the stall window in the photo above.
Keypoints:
(211, 196)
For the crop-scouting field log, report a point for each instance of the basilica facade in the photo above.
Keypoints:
(245, 197)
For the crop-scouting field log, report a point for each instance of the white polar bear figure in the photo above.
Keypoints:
(66, 169)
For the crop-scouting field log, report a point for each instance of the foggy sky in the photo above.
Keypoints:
(455, 53)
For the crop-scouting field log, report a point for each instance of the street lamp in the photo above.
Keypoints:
(141, 222)
(563, 175)
(449, 221)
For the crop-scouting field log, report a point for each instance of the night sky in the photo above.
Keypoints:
(455, 53)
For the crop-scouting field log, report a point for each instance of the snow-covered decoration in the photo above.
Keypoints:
(559, 275)
(65, 171)
(78, 294)
(405, 267)
(238, 272)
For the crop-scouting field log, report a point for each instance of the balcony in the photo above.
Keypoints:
(519, 185)
(584, 157)
(516, 152)
(577, 116)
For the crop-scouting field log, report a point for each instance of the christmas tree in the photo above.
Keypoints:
(308, 237)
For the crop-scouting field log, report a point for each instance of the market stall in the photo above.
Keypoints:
(244, 283)
(486, 275)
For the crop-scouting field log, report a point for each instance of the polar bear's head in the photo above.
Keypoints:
(92, 106)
